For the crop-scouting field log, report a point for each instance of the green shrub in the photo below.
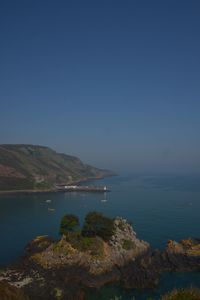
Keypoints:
(94, 245)
(96, 224)
(69, 223)
(128, 244)
(183, 294)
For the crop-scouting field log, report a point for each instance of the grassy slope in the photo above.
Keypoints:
(38, 167)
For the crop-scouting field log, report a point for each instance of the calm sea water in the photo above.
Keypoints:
(160, 207)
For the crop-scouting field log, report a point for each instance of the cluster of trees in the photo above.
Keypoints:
(69, 223)
(95, 224)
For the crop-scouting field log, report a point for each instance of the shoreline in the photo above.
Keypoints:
(46, 191)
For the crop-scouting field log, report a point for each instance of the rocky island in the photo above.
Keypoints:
(38, 168)
(102, 251)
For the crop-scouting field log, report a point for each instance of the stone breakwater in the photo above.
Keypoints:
(58, 270)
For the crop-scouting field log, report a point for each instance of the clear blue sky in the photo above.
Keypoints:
(116, 83)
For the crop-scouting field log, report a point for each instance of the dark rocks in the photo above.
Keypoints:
(40, 243)
(10, 292)
(183, 255)
(141, 273)
(56, 270)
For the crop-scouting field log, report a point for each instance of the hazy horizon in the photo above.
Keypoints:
(116, 84)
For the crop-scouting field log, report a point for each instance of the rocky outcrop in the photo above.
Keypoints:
(95, 269)
(60, 264)
(124, 245)
(183, 255)
(58, 270)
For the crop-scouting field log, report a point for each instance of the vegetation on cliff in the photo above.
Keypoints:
(29, 167)
(183, 294)
(68, 224)
(96, 229)
(96, 224)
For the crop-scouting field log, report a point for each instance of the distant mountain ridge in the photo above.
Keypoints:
(35, 167)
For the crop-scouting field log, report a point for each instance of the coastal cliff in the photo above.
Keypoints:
(31, 167)
(88, 257)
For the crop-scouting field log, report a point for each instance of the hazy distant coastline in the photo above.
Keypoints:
(36, 169)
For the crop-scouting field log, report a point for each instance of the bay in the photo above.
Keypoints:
(160, 207)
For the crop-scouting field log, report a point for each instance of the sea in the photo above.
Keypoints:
(159, 206)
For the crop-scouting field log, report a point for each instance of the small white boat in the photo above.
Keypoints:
(51, 209)
(103, 200)
(48, 201)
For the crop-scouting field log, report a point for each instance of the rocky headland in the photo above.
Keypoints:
(35, 168)
(86, 258)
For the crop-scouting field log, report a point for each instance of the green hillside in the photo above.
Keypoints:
(27, 167)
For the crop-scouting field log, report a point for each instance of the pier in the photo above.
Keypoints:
(82, 188)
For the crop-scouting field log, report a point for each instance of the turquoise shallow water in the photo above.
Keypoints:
(161, 207)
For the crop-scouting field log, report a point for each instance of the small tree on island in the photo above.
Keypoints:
(96, 224)
(69, 224)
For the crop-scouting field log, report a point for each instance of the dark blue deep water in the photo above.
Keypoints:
(160, 207)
